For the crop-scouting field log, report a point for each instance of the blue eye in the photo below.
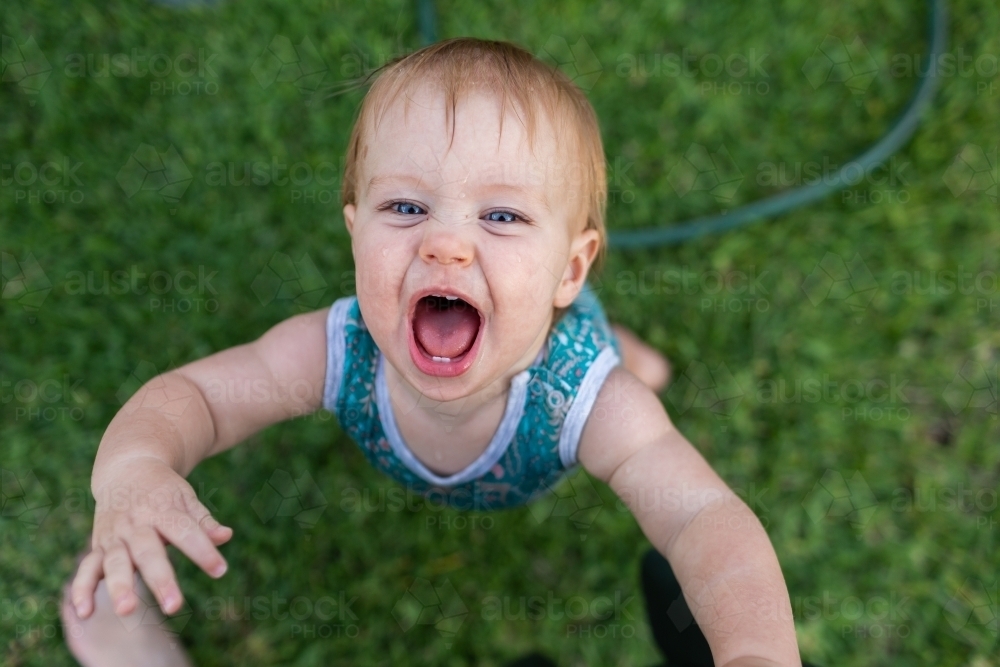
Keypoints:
(501, 216)
(406, 208)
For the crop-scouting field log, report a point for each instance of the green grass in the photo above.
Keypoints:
(871, 575)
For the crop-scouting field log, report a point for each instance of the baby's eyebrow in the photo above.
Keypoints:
(389, 178)
(532, 195)
(490, 188)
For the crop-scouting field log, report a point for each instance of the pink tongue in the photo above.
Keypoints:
(447, 332)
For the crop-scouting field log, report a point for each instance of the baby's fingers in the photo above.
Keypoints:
(118, 573)
(89, 572)
(183, 532)
(150, 556)
(216, 532)
(220, 535)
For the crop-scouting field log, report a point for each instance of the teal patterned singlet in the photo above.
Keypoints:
(536, 442)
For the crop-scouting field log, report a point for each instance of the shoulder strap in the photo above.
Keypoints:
(336, 349)
(582, 352)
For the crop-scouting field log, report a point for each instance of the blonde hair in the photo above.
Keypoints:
(522, 83)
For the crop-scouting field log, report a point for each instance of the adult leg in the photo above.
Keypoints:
(104, 639)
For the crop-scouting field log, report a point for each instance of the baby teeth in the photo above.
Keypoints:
(441, 359)
(451, 298)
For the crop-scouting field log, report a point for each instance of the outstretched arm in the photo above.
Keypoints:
(721, 554)
(172, 423)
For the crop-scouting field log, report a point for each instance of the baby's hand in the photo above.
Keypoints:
(144, 505)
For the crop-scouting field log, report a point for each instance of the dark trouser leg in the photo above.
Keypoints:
(674, 628)
(533, 660)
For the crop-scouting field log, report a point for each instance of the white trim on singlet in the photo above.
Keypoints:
(494, 451)
(576, 416)
(335, 350)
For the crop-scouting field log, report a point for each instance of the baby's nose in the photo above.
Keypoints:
(447, 242)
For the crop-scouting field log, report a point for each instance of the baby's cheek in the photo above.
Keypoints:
(376, 272)
(539, 276)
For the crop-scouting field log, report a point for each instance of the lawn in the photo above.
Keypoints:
(170, 188)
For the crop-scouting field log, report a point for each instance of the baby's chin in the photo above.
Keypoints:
(450, 389)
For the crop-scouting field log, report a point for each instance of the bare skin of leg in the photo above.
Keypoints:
(106, 640)
(642, 360)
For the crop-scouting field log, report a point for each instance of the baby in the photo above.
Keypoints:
(474, 363)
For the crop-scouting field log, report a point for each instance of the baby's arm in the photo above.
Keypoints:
(721, 554)
(171, 424)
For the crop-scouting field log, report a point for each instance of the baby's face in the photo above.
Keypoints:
(483, 216)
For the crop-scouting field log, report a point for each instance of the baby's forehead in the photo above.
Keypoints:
(480, 139)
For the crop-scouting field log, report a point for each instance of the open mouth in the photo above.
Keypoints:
(444, 334)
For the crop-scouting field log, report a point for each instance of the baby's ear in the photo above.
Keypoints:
(582, 252)
(349, 211)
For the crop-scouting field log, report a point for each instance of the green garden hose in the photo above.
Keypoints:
(770, 207)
